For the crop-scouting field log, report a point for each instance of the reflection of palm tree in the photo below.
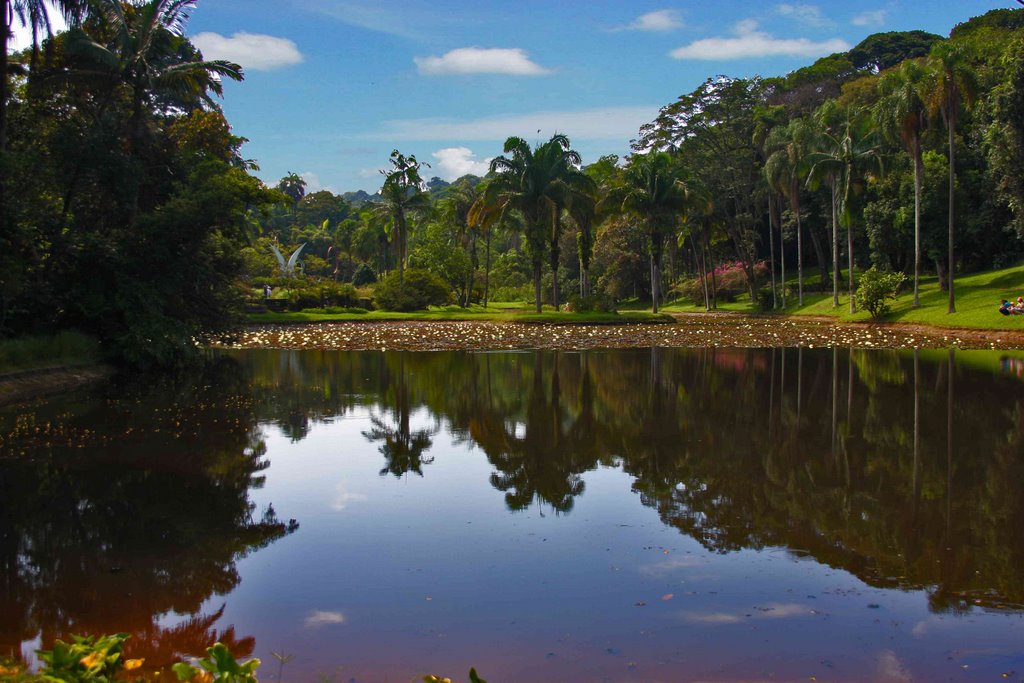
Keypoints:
(540, 465)
(403, 449)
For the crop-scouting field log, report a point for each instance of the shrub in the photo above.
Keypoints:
(419, 290)
(593, 302)
(364, 275)
(876, 288)
(730, 281)
(326, 293)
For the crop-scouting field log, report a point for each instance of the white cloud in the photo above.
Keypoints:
(253, 51)
(612, 123)
(313, 183)
(479, 60)
(749, 42)
(808, 15)
(870, 18)
(455, 162)
(322, 618)
(660, 20)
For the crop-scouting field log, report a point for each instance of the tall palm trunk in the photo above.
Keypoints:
(538, 264)
(918, 172)
(952, 175)
(655, 277)
(771, 246)
(5, 26)
(487, 267)
(835, 247)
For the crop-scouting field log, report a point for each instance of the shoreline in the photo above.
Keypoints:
(696, 330)
(36, 383)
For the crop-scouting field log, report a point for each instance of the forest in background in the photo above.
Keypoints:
(128, 211)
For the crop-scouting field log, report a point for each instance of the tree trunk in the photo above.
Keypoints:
(849, 259)
(555, 258)
(487, 267)
(952, 176)
(835, 248)
(820, 254)
(771, 247)
(655, 276)
(782, 256)
(4, 171)
(918, 172)
(538, 264)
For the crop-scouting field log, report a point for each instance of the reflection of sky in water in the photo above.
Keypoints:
(390, 577)
(709, 515)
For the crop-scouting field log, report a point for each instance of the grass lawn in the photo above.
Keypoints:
(30, 353)
(977, 302)
(497, 312)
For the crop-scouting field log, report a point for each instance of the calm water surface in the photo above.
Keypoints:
(637, 515)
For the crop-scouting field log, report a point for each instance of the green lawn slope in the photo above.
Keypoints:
(977, 302)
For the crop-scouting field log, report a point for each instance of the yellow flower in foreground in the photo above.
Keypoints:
(130, 664)
(91, 660)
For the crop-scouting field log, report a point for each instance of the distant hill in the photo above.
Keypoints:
(360, 197)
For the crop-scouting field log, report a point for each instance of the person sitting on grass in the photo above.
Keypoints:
(1005, 307)
(1018, 306)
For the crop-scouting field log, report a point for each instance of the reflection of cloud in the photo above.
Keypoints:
(773, 610)
(749, 42)
(669, 566)
(323, 618)
(891, 670)
(342, 497)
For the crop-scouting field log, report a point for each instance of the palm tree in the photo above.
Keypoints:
(150, 57)
(951, 83)
(901, 112)
(654, 190)
(454, 209)
(849, 153)
(33, 14)
(786, 170)
(402, 194)
(537, 183)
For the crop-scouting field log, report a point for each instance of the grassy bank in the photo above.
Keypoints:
(977, 300)
(64, 349)
(501, 312)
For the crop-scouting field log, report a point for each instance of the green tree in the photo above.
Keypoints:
(848, 154)
(402, 195)
(952, 84)
(786, 169)
(535, 182)
(654, 190)
(901, 113)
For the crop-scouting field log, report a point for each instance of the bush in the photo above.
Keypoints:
(419, 290)
(594, 302)
(326, 293)
(764, 299)
(876, 288)
(364, 275)
(730, 281)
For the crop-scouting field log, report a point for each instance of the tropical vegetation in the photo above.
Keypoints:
(128, 212)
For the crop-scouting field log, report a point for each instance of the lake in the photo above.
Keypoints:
(653, 514)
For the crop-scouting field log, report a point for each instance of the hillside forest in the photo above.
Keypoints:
(128, 210)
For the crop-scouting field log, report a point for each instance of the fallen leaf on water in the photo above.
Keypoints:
(667, 596)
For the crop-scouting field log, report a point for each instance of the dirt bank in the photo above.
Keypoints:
(39, 383)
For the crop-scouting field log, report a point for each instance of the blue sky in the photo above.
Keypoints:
(332, 86)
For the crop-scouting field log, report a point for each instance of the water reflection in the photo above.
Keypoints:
(872, 461)
(118, 509)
